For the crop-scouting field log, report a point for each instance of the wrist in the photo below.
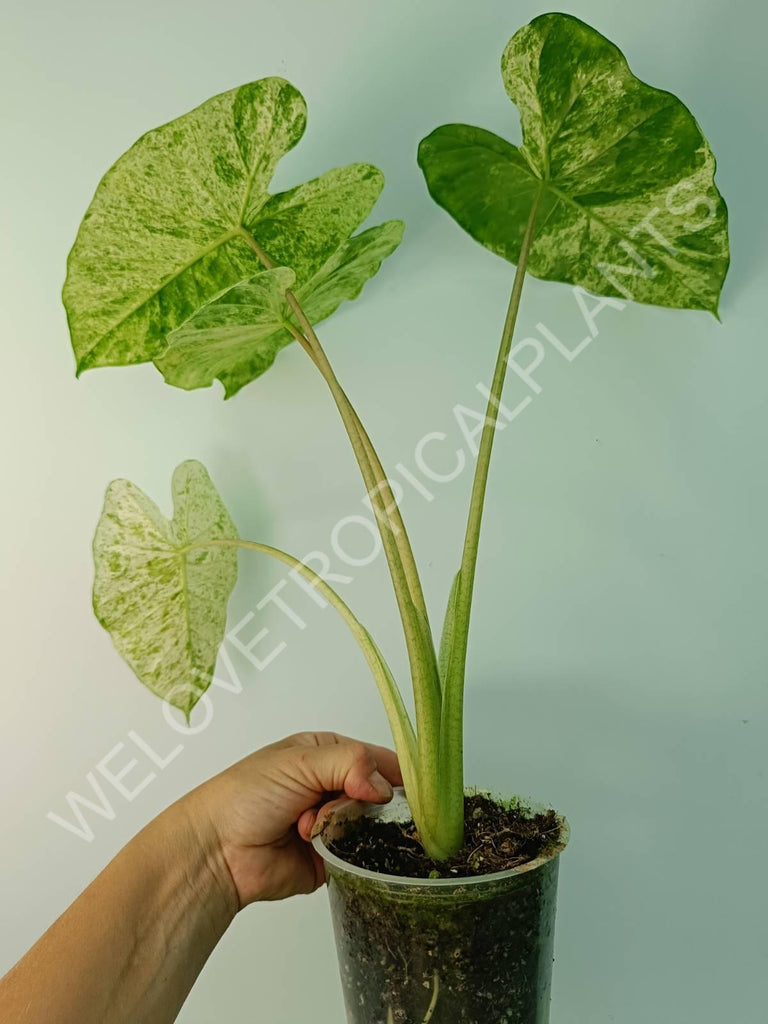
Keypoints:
(205, 865)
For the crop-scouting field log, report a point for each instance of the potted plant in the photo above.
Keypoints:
(444, 901)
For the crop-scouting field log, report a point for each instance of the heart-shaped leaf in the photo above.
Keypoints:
(162, 598)
(167, 228)
(629, 206)
(236, 336)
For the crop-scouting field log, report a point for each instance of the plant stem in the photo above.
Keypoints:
(401, 562)
(390, 513)
(452, 726)
(397, 714)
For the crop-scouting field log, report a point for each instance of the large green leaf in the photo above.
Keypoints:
(236, 336)
(165, 231)
(629, 206)
(163, 602)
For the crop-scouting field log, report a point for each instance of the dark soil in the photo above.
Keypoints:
(496, 838)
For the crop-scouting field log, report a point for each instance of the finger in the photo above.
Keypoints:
(360, 770)
(306, 823)
(318, 817)
(308, 739)
(386, 759)
(387, 763)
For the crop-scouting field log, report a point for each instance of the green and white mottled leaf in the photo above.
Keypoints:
(629, 205)
(236, 337)
(165, 605)
(165, 232)
(342, 277)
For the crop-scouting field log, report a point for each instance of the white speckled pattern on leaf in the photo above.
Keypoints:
(629, 205)
(236, 337)
(163, 234)
(165, 606)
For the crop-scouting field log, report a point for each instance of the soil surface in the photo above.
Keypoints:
(496, 838)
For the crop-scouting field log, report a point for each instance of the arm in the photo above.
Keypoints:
(132, 945)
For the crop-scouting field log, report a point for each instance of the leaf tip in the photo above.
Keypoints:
(230, 387)
(422, 148)
(394, 231)
(186, 469)
(82, 363)
(373, 174)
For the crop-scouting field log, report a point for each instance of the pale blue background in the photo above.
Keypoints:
(618, 657)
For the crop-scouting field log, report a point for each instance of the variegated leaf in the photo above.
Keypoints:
(629, 206)
(164, 601)
(166, 229)
(236, 337)
(343, 276)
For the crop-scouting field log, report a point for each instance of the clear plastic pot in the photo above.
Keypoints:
(441, 951)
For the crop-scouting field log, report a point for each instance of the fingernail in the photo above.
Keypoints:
(381, 785)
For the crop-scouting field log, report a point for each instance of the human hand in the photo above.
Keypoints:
(254, 820)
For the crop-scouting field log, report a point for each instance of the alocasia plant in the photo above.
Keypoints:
(185, 259)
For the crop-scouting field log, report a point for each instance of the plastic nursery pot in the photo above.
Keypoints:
(441, 951)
